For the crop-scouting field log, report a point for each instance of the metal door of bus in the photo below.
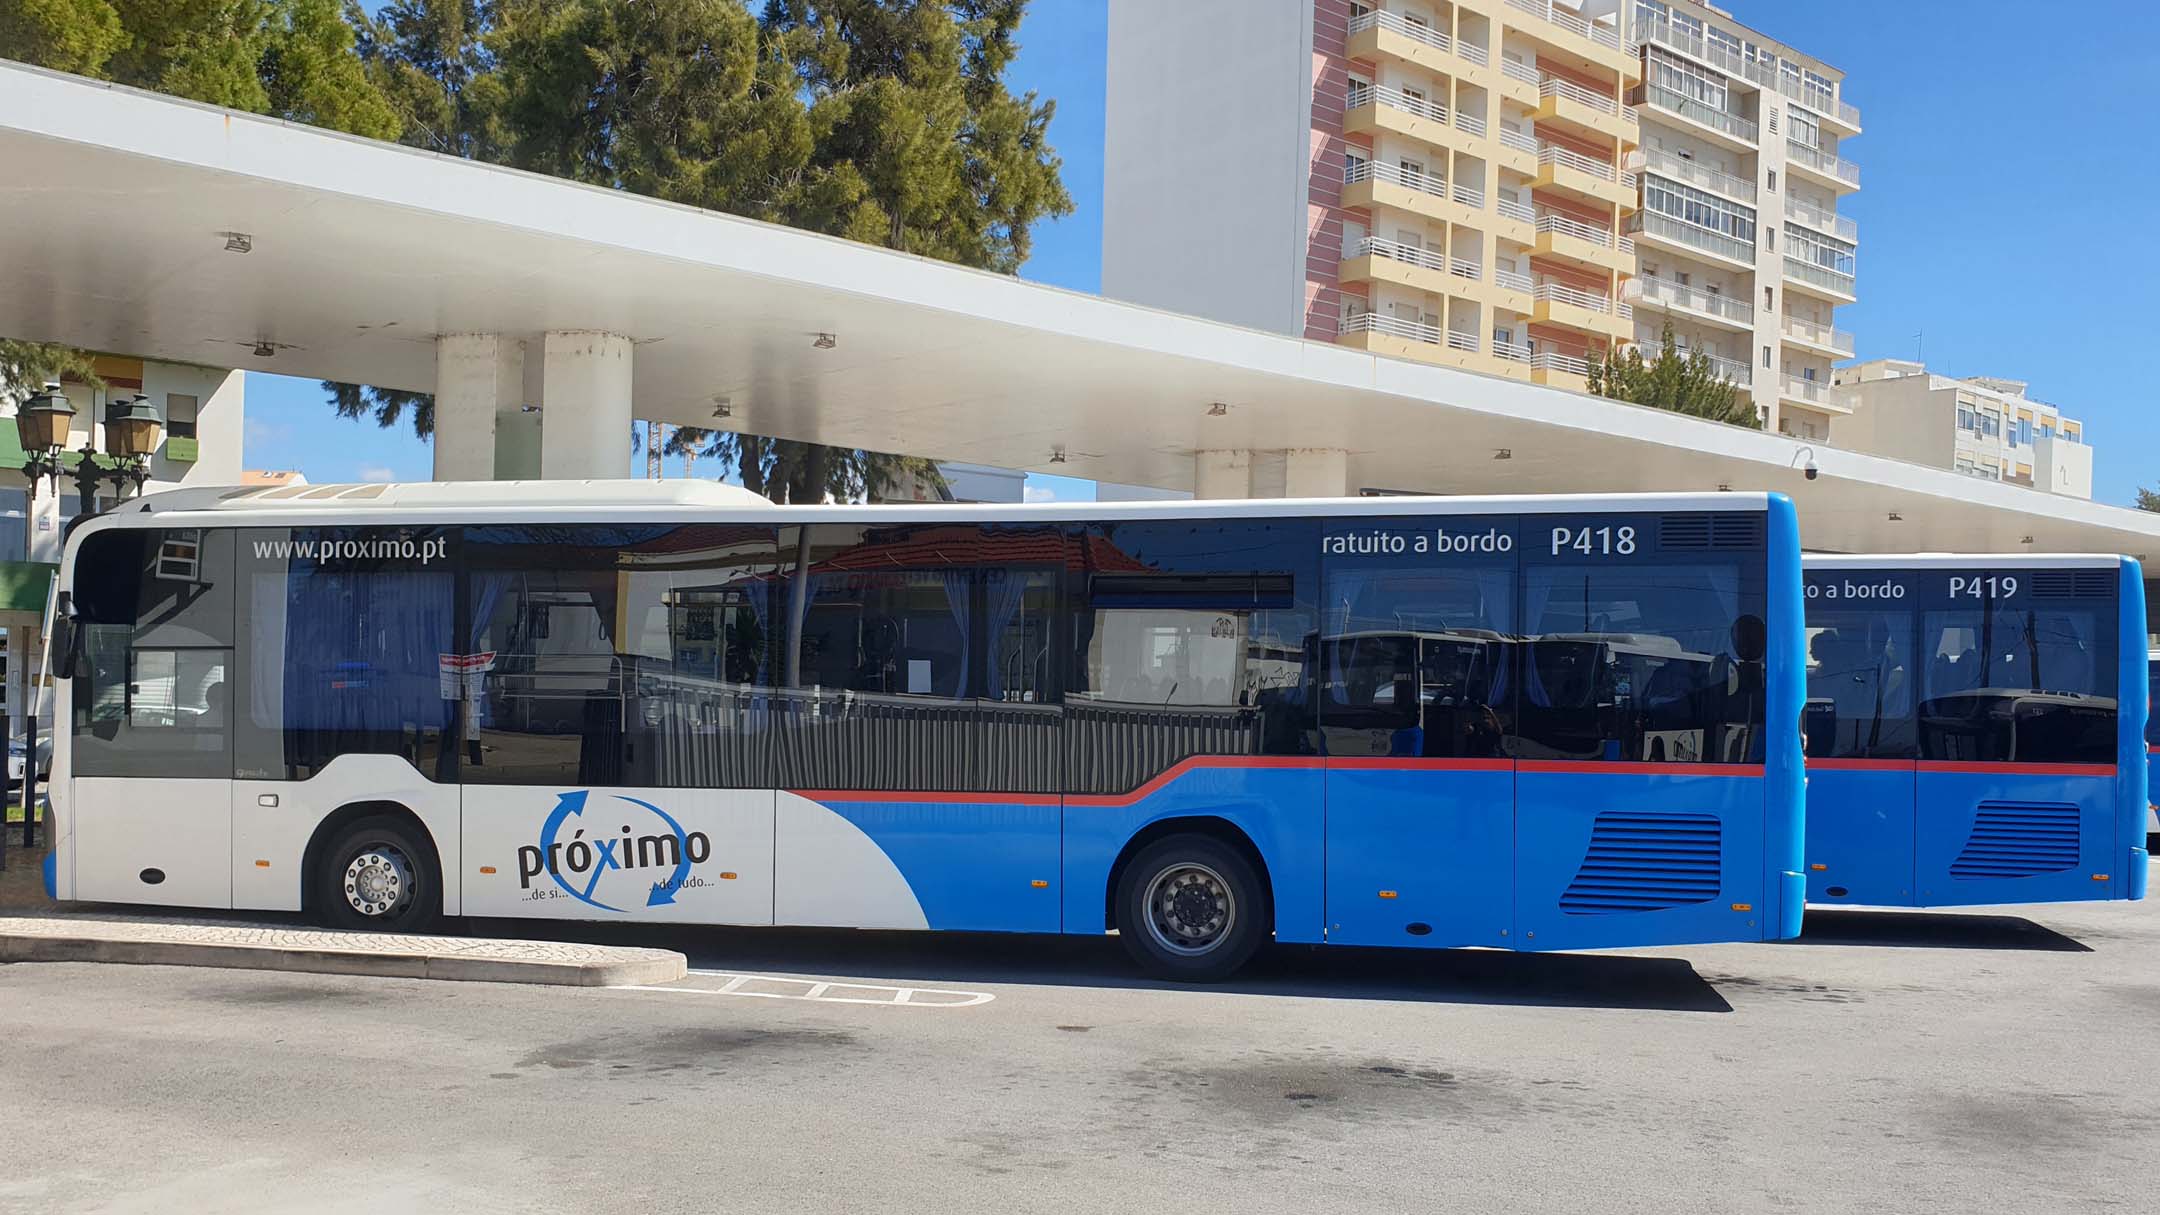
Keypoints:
(1414, 684)
(1862, 685)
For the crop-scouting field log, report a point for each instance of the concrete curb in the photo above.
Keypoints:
(247, 947)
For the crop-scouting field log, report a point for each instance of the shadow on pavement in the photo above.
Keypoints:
(1449, 976)
(1932, 930)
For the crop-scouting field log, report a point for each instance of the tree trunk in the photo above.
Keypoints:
(652, 451)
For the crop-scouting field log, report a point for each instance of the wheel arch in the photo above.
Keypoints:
(345, 816)
(1214, 826)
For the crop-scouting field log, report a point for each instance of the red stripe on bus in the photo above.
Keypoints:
(1416, 763)
(1183, 766)
(958, 799)
(1964, 767)
(1860, 765)
(1621, 767)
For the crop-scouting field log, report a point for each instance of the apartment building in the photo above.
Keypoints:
(1506, 186)
(1738, 241)
(1982, 426)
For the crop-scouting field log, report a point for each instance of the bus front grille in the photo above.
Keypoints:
(1645, 862)
(2019, 839)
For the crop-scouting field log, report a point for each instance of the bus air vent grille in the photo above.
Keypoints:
(1735, 531)
(2019, 839)
(2072, 584)
(1645, 862)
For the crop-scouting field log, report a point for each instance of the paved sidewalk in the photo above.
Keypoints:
(314, 951)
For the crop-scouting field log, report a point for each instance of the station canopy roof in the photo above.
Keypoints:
(119, 207)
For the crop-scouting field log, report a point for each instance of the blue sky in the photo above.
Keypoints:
(2007, 215)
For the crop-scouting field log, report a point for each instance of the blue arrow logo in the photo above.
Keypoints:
(664, 891)
(567, 804)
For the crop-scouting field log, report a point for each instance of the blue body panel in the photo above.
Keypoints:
(1278, 805)
(1784, 770)
(1860, 833)
(1559, 814)
(1952, 861)
(970, 863)
(2133, 791)
(1439, 838)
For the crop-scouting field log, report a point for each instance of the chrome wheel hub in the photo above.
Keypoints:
(1190, 909)
(378, 881)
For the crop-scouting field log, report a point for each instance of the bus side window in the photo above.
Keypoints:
(156, 612)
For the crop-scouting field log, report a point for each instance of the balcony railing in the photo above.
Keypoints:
(1694, 299)
(1739, 373)
(1393, 326)
(1822, 161)
(1813, 392)
(1512, 279)
(1820, 276)
(1576, 297)
(1513, 352)
(1516, 210)
(1665, 227)
(1564, 226)
(1603, 35)
(1821, 220)
(1688, 43)
(1410, 179)
(1667, 165)
(1417, 255)
(1821, 336)
(1553, 360)
(1396, 99)
(1521, 141)
(1516, 69)
(1708, 115)
(1553, 86)
(1396, 23)
(1554, 154)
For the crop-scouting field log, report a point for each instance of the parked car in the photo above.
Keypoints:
(15, 759)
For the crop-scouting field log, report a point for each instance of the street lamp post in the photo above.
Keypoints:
(132, 430)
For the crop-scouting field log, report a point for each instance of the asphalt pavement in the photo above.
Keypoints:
(1891, 1061)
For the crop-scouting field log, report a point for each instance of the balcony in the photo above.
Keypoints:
(1738, 373)
(1597, 41)
(1820, 280)
(1827, 167)
(1690, 239)
(1664, 164)
(1382, 33)
(1584, 177)
(1381, 107)
(1559, 370)
(1845, 118)
(1721, 127)
(1587, 245)
(1382, 334)
(1823, 339)
(1687, 42)
(1519, 82)
(1568, 105)
(1371, 183)
(1813, 394)
(1714, 307)
(1378, 259)
(1829, 222)
(1575, 308)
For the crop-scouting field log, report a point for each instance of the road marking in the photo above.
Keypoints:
(823, 991)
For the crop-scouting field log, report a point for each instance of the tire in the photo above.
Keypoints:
(1225, 908)
(379, 873)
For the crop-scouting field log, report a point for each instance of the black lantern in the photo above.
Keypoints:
(41, 426)
(132, 428)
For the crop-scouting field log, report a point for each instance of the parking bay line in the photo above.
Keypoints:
(764, 987)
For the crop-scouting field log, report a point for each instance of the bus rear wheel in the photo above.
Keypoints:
(1191, 908)
(379, 874)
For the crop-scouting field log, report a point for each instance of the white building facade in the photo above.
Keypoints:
(1983, 426)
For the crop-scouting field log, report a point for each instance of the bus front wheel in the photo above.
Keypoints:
(380, 874)
(1191, 908)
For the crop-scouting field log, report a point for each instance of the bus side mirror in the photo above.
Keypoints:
(66, 639)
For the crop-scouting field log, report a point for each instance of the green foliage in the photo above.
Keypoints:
(1688, 384)
(26, 367)
(2148, 499)
(65, 35)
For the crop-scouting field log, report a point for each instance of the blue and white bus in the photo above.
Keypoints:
(1975, 729)
(1530, 723)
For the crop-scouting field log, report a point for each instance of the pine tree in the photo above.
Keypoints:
(2148, 499)
(26, 367)
(1689, 384)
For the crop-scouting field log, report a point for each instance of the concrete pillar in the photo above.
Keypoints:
(1316, 472)
(478, 376)
(1222, 474)
(585, 394)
